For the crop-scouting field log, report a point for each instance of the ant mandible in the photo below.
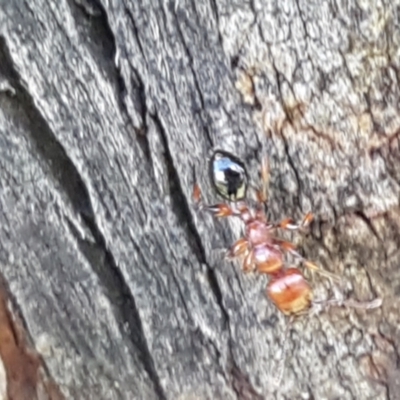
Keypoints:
(260, 249)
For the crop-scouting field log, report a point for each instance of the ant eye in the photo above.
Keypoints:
(228, 175)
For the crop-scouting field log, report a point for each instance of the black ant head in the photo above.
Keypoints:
(228, 176)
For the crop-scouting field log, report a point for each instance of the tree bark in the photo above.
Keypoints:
(112, 283)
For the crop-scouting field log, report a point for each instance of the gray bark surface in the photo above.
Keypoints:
(112, 285)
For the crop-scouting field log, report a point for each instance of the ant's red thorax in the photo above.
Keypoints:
(257, 232)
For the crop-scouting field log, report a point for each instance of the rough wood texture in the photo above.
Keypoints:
(114, 285)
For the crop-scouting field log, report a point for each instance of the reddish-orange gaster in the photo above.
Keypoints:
(290, 291)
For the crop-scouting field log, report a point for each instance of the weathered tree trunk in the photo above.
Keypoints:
(112, 287)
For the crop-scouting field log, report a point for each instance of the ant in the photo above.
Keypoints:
(259, 248)
(261, 251)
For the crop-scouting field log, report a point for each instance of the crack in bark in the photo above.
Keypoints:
(135, 30)
(294, 169)
(181, 209)
(214, 8)
(190, 58)
(48, 147)
(124, 304)
(303, 22)
(360, 214)
(138, 86)
(140, 102)
(64, 171)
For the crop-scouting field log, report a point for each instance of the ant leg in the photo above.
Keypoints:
(218, 210)
(237, 249)
(363, 305)
(240, 248)
(248, 263)
(313, 267)
(196, 195)
(349, 303)
(290, 225)
(262, 195)
(291, 248)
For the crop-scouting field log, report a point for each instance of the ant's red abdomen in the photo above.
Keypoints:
(290, 292)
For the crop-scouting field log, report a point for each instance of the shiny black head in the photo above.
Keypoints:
(228, 176)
